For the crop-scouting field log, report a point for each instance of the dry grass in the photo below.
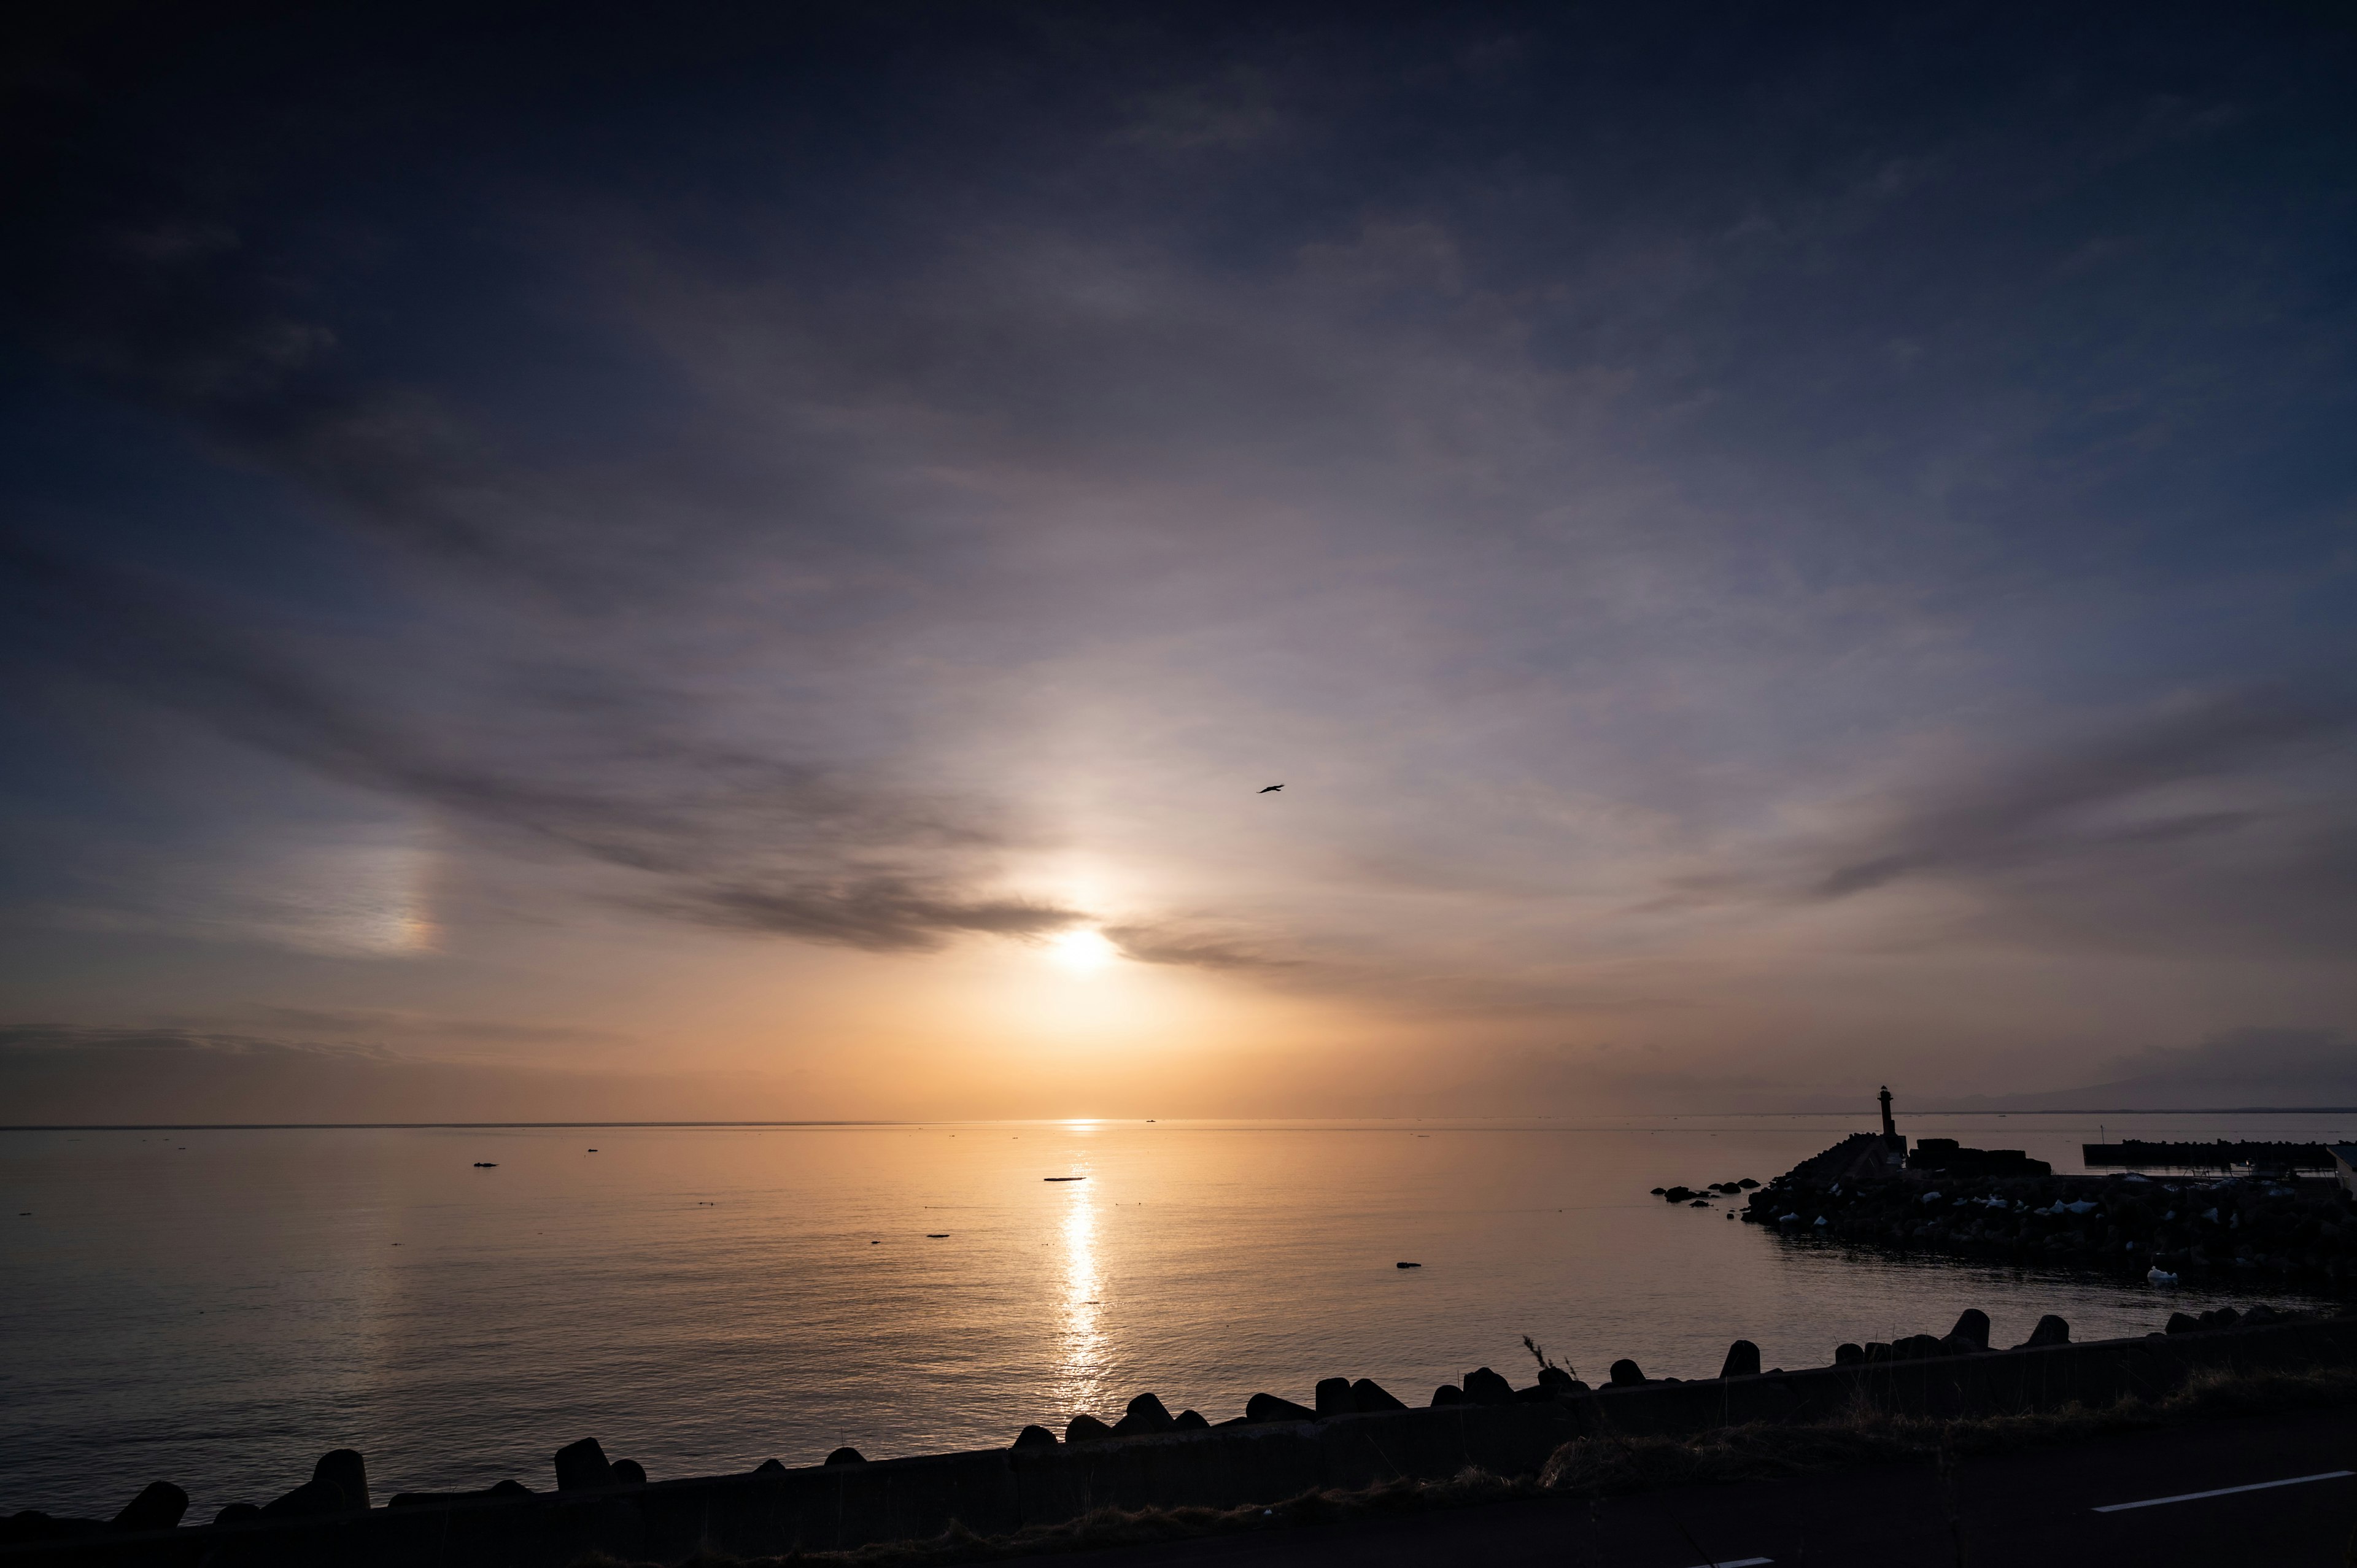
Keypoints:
(1125, 1526)
(1606, 1466)
(1598, 1467)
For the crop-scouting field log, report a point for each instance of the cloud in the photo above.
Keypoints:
(32, 1040)
(107, 1075)
(880, 914)
(1176, 945)
(737, 839)
(349, 1021)
(2079, 798)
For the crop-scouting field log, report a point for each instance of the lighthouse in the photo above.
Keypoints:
(1894, 1147)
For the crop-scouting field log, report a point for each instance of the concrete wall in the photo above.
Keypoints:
(999, 1490)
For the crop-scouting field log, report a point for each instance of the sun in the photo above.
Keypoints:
(1083, 949)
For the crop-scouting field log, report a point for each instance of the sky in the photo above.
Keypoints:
(707, 561)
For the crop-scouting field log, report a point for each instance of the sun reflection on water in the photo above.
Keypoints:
(1079, 1351)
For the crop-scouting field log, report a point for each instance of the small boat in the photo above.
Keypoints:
(1063, 1179)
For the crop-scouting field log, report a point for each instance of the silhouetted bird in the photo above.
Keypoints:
(1272, 789)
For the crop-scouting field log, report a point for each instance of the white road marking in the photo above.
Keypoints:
(2227, 1491)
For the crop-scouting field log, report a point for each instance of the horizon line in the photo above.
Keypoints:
(489, 1126)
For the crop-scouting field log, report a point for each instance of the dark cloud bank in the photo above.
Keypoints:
(67, 1076)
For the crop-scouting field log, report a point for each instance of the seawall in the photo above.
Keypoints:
(1000, 1490)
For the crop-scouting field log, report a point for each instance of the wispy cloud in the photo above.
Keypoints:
(67, 1038)
(2091, 795)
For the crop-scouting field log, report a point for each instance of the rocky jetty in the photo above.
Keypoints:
(1986, 1205)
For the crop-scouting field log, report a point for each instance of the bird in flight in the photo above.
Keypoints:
(1270, 789)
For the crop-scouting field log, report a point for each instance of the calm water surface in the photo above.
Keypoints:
(217, 1307)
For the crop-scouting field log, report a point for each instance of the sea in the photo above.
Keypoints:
(216, 1306)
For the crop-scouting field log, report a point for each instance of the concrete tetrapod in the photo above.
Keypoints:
(158, 1506)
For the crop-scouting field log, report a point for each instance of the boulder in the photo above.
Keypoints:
(349, 1471)
(1483, 1386)
(1957, 1345)
(1557, 1381)
(1877, 1351)
(1151, 1408)
(847, 1455)
(2221, 1317)
(1677, 1195)
(1268, 1407)
(1972, 1323)
(1085, 1428)
(237, 1513)
(2262, 1313)
(158, 1506)
(1034, 1438)
(1188, 1421)
(1848, 1355)
(1447, 1393)
(2050, 1330)
(1370, 1396)
(771, 1468)
(308, 1500)
(1916, 1347)
(581, 1467)
(1146, 1417)
(630, 1473)
(1742, 1360)
(2182, 1323)
(1627, 1374)
(28, 1526)
(1333, 1397)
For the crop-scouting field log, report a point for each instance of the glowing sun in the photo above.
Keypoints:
(1083, 950)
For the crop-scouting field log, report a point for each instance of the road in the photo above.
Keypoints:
(2053, 1507)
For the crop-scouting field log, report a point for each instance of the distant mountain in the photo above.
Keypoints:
(2247, 1069)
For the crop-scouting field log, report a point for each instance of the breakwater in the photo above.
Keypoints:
(2222, 1154)
(2238, 1228)
(1290, 1450)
